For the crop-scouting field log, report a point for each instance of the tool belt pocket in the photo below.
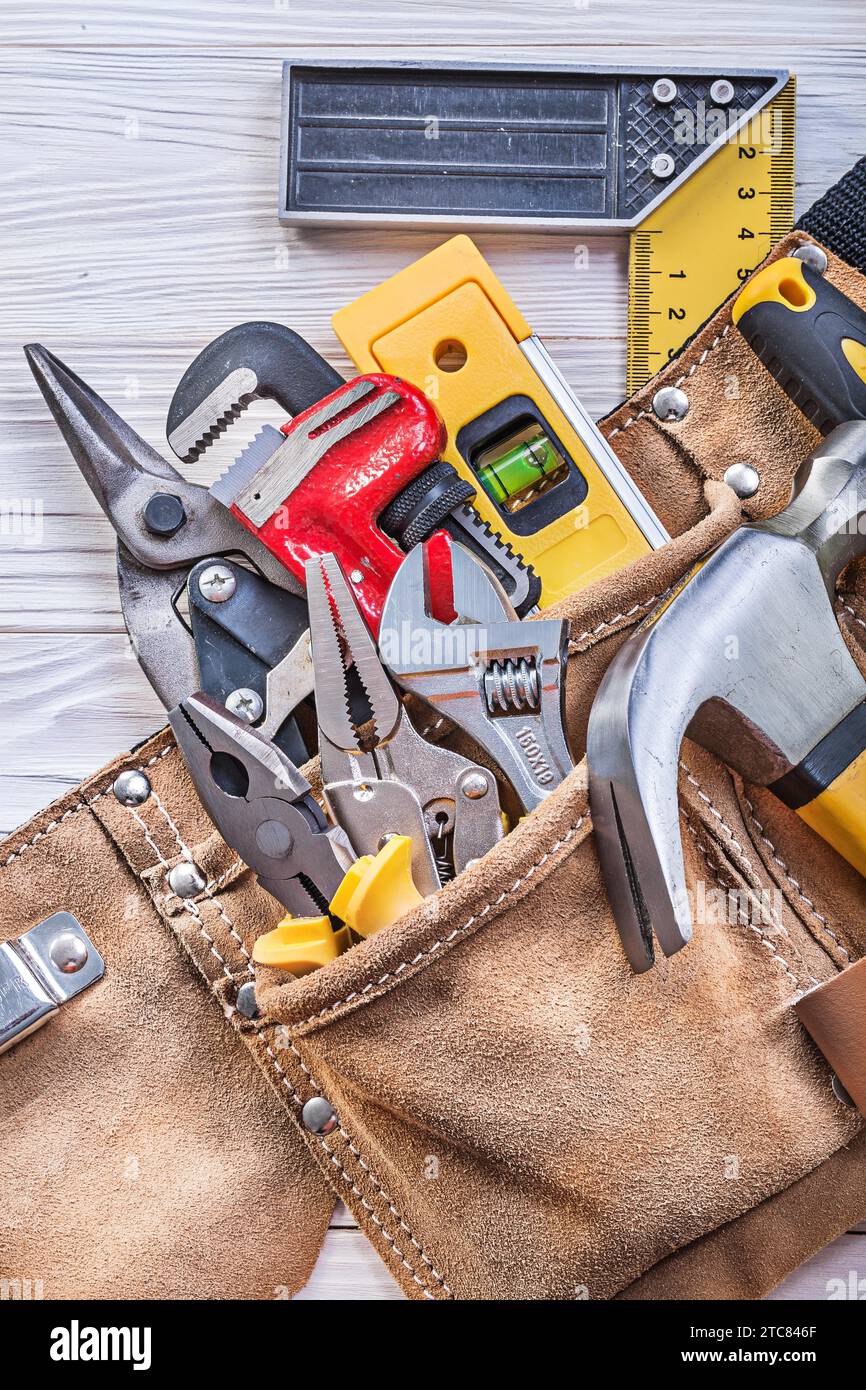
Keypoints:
(500, 1100)
(489, 1065)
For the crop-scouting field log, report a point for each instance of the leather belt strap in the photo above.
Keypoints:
(834, 1013)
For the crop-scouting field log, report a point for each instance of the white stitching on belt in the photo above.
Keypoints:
(777, 859)
(762, 935)
(296, 1099)
(574, 642)
(457, 931)
(188, 906)
(699, 362)
(79, 806)
(187, 853)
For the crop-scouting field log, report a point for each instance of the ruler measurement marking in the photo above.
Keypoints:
(702, 251)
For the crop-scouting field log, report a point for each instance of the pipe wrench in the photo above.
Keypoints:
(357, 472)
(173, 540)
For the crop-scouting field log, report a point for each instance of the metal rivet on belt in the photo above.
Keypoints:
(246, 1001)
(318, 1116)
(68, 952)
(131, 788)
(670, 403)
(186, 879)
(743, 478)
(812, 256)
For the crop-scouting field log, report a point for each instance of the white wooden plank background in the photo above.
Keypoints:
(138, 176)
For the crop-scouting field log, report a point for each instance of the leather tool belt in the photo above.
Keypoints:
(506, 1109)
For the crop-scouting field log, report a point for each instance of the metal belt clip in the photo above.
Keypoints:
(39, 971)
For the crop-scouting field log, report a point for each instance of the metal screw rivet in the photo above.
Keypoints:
(722, 92)
(186, 879)
(670, 403)
(663, 166)
(841, 1094)
(164, 514)
(812, 256)
(217, 583)
(68, 952)
(246, 704)
(246, 1000)
(474, 785)
(318, 1116)
(274, 839)
(357, 576)
(743, 478)
(664, 91)
(131, 788)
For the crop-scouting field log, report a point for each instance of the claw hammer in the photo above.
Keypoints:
(747, 657)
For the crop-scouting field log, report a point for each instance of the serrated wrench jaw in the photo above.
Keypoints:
(257, 492)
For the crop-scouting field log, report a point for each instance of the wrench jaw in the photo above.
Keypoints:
(497, 677)
(252, 361)
(125, 475)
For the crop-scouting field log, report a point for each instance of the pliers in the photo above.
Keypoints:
(384, 778)
(262, 806)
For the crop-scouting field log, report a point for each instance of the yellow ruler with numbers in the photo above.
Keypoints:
(708, 235)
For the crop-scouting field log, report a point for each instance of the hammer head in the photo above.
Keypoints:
(748, 659)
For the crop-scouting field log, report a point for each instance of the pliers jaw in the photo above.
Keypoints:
(262, 805)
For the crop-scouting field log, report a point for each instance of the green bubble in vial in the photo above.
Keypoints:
(520, 467)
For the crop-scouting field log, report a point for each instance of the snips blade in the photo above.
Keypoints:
(126, 475)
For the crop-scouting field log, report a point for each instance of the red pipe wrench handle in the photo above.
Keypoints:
(335, 507)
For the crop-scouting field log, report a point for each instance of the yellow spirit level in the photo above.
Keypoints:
(546, 478)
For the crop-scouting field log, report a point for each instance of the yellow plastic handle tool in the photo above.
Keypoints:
(838, 813)
(378, 889)
(301, 944)
(375, 892)
(810, 335)
(781, 282)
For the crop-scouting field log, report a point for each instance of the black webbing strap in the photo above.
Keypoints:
(838, 220)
